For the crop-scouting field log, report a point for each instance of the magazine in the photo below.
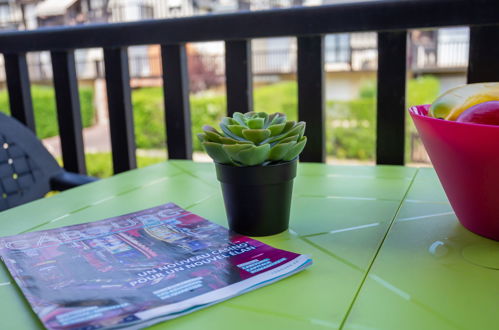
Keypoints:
(138, 269)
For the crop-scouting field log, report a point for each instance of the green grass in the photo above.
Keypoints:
(422, 90)
(44, 108)
(205, 110)
(280, 97)
(208, 109)
(355, 139)
(101, 165)
(341, 142)
(148, 117)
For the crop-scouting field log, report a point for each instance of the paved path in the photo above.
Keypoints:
(95, 139)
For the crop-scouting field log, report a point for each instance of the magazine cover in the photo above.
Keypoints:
(138, 269)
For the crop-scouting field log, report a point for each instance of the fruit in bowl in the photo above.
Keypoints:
(453, 103)
(482, 113)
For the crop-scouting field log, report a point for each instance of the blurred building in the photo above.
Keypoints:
(350, 58)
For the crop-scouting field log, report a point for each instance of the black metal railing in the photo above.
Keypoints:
(453, 56)
(390, 19)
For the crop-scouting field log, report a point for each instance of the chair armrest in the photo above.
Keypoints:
(67, 180)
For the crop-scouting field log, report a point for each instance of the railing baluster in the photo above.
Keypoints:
(390, 122)
(176, 98)
(68, 110)
(21, 106)
(238, 73)
(483, 65)
(120, 109)
(311, 96)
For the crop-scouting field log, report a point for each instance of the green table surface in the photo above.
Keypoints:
(388, 250)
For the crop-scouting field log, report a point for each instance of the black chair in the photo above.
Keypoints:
(27, 170)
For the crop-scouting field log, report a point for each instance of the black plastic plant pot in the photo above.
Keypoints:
(257, 198)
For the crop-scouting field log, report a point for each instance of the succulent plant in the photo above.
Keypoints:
(254, 138)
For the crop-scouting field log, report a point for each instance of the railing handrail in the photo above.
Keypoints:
(386, 15)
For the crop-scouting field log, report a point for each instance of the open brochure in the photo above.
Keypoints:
(138, 269)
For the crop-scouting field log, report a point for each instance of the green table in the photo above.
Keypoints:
(388, 251)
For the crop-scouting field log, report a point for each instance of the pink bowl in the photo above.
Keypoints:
(466, 159)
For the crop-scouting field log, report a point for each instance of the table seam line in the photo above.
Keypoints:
(347, 314)
(195, 176)
(348, 197)
(331, 254)
(92, 204)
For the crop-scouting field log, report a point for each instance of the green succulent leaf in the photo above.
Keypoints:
(303, 125)
(294, 138)
(228, 133)
(233, 150)
(208, 128)
(295, 150)
(217, 153)
(256, 135)
(265, 117)
(256, 123)
(236, 129)
(228, 121)
(254, 155)
(280, 150)
(239, 118)
(213, 137)
(201, 137)
(280, 120)
(276, 129)
(289, 125)
(228, 140)
(298, 129)
(278, 138)
(272, 117)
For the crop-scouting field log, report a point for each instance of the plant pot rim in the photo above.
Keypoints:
(259, 165)
(257, 175)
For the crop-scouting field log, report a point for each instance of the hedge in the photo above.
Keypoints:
(45, 109)
(350, 126)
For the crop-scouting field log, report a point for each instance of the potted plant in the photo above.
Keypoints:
(255, 156)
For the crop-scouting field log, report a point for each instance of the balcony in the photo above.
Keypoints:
(388, 249)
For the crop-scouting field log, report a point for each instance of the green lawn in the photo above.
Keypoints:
(101, 165)
(350, 125)
(45, 109)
